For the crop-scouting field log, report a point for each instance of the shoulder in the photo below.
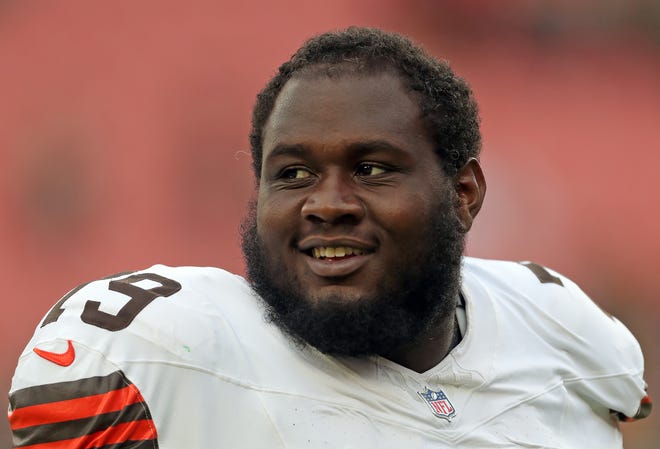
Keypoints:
(535, 293)
(160, 312)
(538, 312)
(523, 275)
(537, 288)
(531, 300)
(111, 346)
(114, 302)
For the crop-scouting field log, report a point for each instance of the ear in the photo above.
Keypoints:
(470, 186)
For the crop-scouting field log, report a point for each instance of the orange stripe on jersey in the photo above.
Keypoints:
(644, 410)
(645, 407)
(71, 409)
(131, 431)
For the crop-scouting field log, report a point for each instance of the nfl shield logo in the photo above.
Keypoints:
(439, 403)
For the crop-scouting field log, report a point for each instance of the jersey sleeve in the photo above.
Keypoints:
(69, 389)
(607, 360)
(65, 395)
(114, 362)
(616, 346)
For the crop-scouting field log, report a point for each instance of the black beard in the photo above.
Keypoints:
(419, 294)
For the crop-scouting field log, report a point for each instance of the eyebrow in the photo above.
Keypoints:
(286, 150)
(376, 146)
(358, 148)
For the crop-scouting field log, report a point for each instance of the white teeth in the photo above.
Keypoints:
(335, 251)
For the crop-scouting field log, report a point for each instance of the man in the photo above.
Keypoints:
(380, 334)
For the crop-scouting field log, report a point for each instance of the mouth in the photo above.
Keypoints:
(334, 252)
(338, 260)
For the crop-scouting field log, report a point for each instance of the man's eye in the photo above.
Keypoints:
(296, 173)
(369, 170)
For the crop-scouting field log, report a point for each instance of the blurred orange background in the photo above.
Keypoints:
(123, 140)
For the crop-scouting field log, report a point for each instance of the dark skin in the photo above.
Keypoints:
(422, 355)
(348, 180)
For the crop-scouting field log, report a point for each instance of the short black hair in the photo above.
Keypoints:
(446, 101)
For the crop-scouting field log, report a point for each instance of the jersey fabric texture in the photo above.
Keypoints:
(182, 357)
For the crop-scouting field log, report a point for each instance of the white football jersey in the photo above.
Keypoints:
(183, 358)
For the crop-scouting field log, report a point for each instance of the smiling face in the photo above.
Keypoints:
(349, 180)
(355, 217)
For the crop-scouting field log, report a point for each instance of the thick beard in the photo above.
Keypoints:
(418, 295)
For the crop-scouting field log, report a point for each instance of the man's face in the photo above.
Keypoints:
(354, 212)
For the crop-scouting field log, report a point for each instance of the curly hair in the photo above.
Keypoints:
(446, 101)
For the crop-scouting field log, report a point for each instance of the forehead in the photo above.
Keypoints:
(318, 108)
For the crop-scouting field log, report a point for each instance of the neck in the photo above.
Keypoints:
(430, 349)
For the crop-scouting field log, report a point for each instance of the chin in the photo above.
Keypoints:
(334, 294)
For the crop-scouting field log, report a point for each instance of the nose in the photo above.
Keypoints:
(333, 200)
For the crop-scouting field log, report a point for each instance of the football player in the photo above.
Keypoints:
(379, 333)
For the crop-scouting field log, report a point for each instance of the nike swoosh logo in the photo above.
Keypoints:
(65, 358)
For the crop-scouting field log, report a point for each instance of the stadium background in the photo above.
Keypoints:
(123, 139)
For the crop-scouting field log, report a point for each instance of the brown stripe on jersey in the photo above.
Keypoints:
(122, 435)
(62, 391)
(132, 445)
(87, 413)
(46, 433)
(77, 408)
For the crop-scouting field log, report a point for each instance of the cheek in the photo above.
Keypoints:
(275, 218)
(405, 212)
